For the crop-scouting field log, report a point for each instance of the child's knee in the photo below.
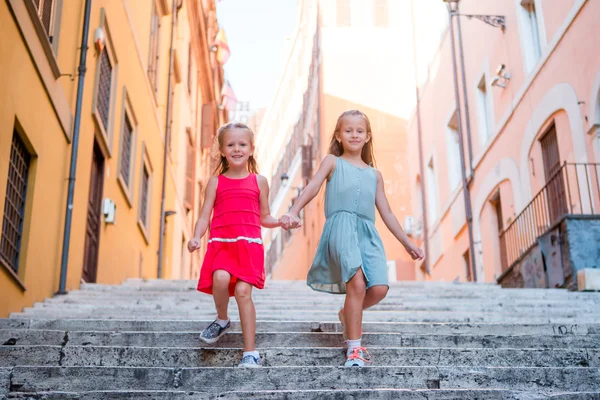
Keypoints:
(379, 291)
(221, 278)
(243, 291)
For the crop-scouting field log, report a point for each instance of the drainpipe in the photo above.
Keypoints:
(465, 97)
(465, 184)
(421, 172)
(74, 147)
(161, 242)
(420, 141)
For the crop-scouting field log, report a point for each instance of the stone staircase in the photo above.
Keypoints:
(139, 340)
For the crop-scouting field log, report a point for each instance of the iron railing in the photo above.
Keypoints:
(574, 189)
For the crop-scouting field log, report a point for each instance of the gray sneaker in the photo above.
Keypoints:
(213, 332)
(249, 361)
(358, 358)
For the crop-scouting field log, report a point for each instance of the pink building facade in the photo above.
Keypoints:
(534, 138)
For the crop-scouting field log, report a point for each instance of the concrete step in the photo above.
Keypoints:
(216, 380)
(82, 356)
(381, 394)
(114, 395)
(135, 307)
(331, 316)
(301, 326)
(410, 317)
(428, 302)
(292, 339)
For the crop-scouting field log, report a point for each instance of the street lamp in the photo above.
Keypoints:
(496, 21)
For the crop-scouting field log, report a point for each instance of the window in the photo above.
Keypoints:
(14, 203)
(126, 145)
(432, 193)
(144, 211)
(190, 171)
(485, 131)
(104, 85)
(45, 11)
(144, 199)
(343, 13)
(154, 48)
(381, 13)
(530, 34)
(104, 90)
(127, 149)
(453, 151)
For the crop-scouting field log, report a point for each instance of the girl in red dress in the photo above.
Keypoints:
(237, 197)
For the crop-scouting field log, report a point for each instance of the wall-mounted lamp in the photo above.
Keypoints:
(501, 79)
(99, 39)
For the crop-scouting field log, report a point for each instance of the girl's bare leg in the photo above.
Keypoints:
(374, 295)
(221, 281)
(353, 305)
(243, 296)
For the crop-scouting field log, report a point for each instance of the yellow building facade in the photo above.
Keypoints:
(125, 104)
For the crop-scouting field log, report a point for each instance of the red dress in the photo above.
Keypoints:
(235, 243)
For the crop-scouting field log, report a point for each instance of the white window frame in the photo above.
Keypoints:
(127, 113)
(106, 135)
(531, 32)
(432, 193)
(484, 111)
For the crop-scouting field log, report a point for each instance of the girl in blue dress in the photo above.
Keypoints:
(350, 257)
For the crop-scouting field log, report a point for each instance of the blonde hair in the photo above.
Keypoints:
(336, 147)
(222, 164)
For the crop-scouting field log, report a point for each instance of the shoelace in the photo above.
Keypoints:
(357, 354)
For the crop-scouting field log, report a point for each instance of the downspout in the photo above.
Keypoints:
(74, 147)
(161, 243)
(420, 143)
(465, 96)
(465, 184)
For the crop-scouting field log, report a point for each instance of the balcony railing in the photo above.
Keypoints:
(574, 189)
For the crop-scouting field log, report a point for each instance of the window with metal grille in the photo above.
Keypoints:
(144, 199)
(154, 46)
(126, 147)
(45, 10)
(104, 85)
(14, 203)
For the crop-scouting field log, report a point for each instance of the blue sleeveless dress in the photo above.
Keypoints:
(349, 240)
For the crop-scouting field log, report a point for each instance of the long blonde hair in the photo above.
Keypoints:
(336, 147)
(222, 164)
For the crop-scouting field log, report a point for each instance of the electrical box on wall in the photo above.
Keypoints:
(109, 209)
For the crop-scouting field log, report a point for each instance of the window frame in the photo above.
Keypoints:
(127, 114)
(19, 274)
(146, 166)
(106, 135)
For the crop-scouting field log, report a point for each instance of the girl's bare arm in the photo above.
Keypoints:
(312, 189)
(390, 220)
(209, 202)
(266, 219)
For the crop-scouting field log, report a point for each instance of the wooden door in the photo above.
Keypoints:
(92, 232)
(556, 194)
